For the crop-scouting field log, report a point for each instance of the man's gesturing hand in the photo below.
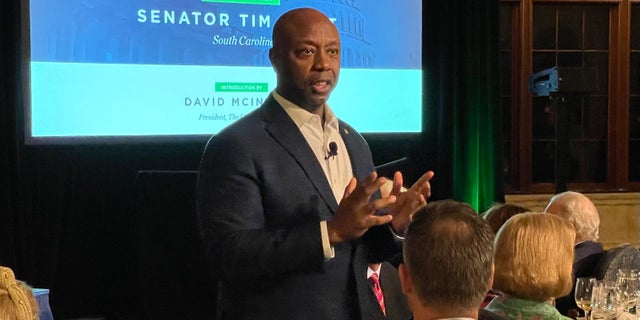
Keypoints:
(410, 201)
(356, 214)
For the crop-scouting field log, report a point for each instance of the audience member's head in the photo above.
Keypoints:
(499, 213)
(580, 211)
(16, 298)
(448, 261)
(534, 257)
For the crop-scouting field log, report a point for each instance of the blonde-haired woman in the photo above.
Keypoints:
(16, 298)
(533, 262)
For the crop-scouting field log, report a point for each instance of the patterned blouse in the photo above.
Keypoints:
(519, 309)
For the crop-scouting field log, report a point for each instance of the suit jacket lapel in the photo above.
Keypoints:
(284, 130)
(350, 142)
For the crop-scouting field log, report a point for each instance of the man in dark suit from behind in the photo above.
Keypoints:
(448, 262)
(583, 215)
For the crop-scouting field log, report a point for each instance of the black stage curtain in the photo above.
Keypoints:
(66, 211)
(8, 87)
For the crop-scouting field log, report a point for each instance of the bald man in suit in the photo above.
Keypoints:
(286, 195)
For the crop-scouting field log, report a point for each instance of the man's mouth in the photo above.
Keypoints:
(322, 86)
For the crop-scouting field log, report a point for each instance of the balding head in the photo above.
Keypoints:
(580, 211)
(448, 260)
(294, 21)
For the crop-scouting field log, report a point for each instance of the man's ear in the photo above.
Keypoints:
(493, 269)
(405, 279)
(273, 57)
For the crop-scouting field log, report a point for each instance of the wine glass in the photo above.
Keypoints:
(627, 280)
(583, 294)
(604, 300)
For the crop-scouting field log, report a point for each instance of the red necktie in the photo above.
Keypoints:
(375, 283)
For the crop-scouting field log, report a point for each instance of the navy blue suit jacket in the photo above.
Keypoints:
(586, 256)
(261, 197)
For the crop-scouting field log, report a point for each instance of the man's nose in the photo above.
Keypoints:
(321, 61)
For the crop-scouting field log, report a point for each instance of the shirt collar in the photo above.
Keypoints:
(300, 116)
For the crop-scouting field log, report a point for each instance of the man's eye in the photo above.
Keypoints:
(306, 52)
(333, 52)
